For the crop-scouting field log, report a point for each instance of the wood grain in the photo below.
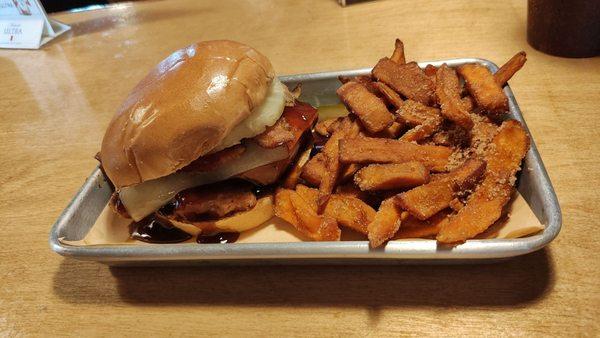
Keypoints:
(56, 103)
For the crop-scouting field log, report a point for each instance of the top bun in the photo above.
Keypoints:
(182, 109)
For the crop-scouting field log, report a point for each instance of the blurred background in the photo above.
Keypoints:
(52, 6)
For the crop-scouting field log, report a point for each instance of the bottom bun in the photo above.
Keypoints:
(241, 221)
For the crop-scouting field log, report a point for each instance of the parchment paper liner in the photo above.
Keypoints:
(111, 229)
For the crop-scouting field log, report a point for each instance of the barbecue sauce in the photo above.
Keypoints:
(153, 229)
(220, 238)
(157, 230)
(301, 116)
(262, 190)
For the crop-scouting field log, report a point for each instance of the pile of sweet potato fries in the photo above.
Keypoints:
(420, 155)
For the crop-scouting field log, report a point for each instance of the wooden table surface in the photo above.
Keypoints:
(57, 101)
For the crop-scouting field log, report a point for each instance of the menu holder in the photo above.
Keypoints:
(24, 24)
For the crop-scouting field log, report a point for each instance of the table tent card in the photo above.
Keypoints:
(24, 24)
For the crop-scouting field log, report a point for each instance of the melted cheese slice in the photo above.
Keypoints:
(143, 199)
(261, 117)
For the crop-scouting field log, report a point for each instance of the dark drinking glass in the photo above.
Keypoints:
(564, 28)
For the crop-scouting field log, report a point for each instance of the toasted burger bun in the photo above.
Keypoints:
(241, 221)
(183, 109)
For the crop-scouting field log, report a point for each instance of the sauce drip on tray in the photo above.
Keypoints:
(153, 229)
(222, 237)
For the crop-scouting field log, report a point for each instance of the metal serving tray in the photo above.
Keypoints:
(317, 89)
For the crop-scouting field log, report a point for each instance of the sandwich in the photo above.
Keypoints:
(199, 141)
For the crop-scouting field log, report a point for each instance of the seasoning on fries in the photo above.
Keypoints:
(389, 94)
(407, 79)
(313, 169)
(391, 176)
(430, 70)
(350, 212)
(426, 200)
(485, 205)
(414, 113)
(447, 91)
(483, 87)
(422, 131)
(332, 168)
(418, 156)
(370, 109)
(366, 150)
(385, 224)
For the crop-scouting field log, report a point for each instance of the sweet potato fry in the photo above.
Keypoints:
(415, 113)
(430, 71)
(392, 131)
(407, 79)
(350, 212)
(318, 227)
(385, 224)
(415, 228)
(456, 204)
(313, 169)
(369, 108)
(322, 127)
(310, 195)
(293, 175)
(368, 83)
(344, 79)
(391, 176)
(345, 128)
(347, 172)
(510, 68)
(284, 208)
(482, 210)
(362, 79)
(484, 206)
(379, 150)
(422, 131)
(389, 94)
(483, 87)
(346, 125)
(468, 103)
(294, 209)
(447, 91)
(442, 138)
(481, 135)
(330, 176)
(350, 189)
(347, 210)
(426, 200)
(398, 55)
